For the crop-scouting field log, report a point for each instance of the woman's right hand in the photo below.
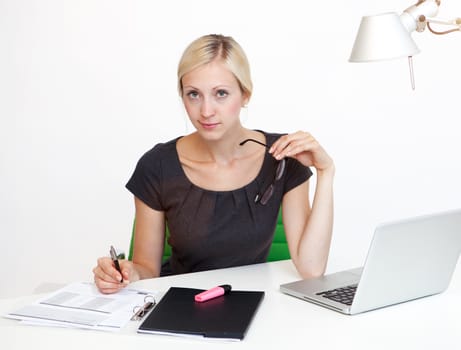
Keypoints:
(107, 278)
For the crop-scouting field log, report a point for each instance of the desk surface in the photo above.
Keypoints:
(428, 323)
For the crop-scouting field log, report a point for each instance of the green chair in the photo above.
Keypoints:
(279, 249)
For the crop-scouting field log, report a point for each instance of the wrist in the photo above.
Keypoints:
(328, 172)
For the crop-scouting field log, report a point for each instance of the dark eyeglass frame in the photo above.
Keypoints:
(267, 194)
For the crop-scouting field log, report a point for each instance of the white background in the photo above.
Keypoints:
(86, 87)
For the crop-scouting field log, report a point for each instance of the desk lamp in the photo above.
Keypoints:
(388, 35)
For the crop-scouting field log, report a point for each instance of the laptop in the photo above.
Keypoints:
(407, 259)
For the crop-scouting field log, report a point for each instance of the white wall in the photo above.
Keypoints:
(87, 86)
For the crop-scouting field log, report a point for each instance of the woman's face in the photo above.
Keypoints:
(213, 99)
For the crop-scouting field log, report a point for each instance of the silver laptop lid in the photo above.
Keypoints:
(409, 259)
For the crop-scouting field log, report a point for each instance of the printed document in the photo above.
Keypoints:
(82, 305)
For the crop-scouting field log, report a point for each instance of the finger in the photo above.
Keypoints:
(285, 140)
(106, 271)
(100, 275)
(279, 144)
(112, 271)
(127, 270)
(126, 276)
(299, 146)
(292, 144)
(108, 288)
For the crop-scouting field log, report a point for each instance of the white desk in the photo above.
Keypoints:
(282, 321)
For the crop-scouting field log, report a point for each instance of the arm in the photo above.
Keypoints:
(149, 239)
(147, 253)
(308, 228)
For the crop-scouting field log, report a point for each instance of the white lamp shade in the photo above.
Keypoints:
(382, 37)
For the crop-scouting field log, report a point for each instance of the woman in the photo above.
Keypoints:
(218, 189)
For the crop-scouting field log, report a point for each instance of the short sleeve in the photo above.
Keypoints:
(296, 174)
(146, 181)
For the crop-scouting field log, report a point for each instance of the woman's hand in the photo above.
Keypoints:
(107, 278)
(303, 147)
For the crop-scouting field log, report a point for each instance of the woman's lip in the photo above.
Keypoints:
(209, 125)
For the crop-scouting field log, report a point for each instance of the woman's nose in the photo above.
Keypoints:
(207, 109)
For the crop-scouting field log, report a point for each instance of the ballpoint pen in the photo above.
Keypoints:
(114, 258)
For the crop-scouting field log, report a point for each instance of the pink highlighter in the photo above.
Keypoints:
(213, 293)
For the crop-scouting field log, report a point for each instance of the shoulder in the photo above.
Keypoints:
(159, 158)
(271, 137)
(160, 152)
(162, 148)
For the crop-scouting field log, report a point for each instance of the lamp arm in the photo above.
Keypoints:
(456, 22)
(452, 22)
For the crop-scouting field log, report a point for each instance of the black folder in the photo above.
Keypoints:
(227, 316)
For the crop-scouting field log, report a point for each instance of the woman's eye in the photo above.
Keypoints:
(222, 93)
(192, 94)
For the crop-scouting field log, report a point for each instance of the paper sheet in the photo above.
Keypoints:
(82, 305)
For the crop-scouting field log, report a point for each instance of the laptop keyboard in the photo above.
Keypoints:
(343, 295)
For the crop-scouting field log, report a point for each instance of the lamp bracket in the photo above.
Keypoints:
(423, 13)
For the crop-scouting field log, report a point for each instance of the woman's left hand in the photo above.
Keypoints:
(303, 147)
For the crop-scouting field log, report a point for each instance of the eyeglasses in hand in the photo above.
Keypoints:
(267, 194)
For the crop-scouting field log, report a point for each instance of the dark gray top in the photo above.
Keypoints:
(212, 229)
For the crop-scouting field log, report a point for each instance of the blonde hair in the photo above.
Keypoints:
(212, 47)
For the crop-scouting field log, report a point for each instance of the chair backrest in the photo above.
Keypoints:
(279, 248)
